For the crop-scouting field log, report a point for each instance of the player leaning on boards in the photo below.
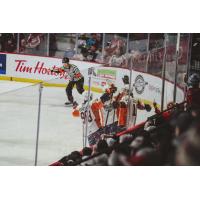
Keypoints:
(76, 78)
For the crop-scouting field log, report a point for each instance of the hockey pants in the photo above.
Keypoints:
(79, 86)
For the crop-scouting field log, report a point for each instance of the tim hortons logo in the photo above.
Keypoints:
(39, 68)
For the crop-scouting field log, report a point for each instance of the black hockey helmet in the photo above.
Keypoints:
(65, 60)
(193, 79)
(125, 79)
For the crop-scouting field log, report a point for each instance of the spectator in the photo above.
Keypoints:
(89, 46)
(146, 156)
(36, 44)
(193, 93)
(117, 159)
(137, 142)
(52, 44)
(102, 146)
(117, 59)
(64, 160)
(86, 152)
(116, 45)
(189, 149)
(182, 123)
(75, 156)
(33, 41)
(8, 42)
(125, 138)
(194, 111)
(22, 43)
(149, 125)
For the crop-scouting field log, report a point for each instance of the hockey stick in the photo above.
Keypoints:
(83, 134)
(90, 73)
(113, 120)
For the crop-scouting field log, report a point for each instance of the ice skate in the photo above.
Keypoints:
(68, 103)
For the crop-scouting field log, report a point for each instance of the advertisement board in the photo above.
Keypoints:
(145, 86)
(39, 68)
(2, 63)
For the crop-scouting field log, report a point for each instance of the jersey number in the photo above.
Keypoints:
(83, 116)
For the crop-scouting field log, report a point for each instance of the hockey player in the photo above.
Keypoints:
(109, 112)
(95, 118)
(127, 106)
(120, 107)
(76, 78)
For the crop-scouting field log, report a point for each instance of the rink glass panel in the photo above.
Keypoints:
(171, 40)
(115, 48)
(170, 73)
(33, 44)
(138, 50)
(151, 59)
(156, 52)
(183, 62)
(61, 44)
(19, 109)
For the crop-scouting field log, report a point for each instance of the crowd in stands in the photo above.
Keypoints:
(89, 47)
(8, 42)
(33, 43)
(114, 52)
(171, 137)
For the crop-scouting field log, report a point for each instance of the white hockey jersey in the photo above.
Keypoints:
(131, 112)
(95, 115)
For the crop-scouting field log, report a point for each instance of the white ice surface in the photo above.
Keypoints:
(60, 133)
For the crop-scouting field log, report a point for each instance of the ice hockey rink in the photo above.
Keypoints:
(60, 132)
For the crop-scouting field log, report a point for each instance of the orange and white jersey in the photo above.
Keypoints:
(122, 114)
(127, 110)
(95, 116)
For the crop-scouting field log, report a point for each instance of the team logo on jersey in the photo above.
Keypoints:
(139, 84)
